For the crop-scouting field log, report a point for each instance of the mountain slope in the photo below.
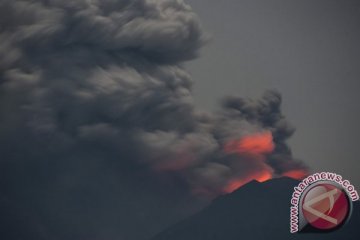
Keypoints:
(255, 211)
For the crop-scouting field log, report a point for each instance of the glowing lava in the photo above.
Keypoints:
(236, 183)
(296, 174)
(254, 150)
(256, 144)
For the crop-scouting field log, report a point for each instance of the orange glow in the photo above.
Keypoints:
(236, 183)
(264, 177)
(257, 144)
(296, 174)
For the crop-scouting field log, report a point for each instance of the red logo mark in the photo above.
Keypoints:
(325, 206)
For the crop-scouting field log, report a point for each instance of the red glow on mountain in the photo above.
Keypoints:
(236, 183)
(296, 174)
(256, 144)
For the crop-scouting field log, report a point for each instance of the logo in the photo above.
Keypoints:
(322, 202)
(325, 206)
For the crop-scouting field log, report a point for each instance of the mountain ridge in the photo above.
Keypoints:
(254, 211)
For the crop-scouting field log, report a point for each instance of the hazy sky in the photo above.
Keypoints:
(99, 135)
(308, 50)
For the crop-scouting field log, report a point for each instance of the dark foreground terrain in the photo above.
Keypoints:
(255, 211)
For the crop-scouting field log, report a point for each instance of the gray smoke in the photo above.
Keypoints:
(95, 104)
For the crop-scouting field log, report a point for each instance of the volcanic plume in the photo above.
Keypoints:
(94, 99)
(110, 73)
(257, 144)
(296, 174)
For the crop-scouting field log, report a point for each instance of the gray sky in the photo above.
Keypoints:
(308, 50)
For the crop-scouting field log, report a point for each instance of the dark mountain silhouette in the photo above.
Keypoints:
(255, 211)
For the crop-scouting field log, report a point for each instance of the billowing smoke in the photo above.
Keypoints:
(94, 89)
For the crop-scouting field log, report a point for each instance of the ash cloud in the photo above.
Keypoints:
(98, 121)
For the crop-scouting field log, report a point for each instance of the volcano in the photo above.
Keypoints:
(255, 211)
